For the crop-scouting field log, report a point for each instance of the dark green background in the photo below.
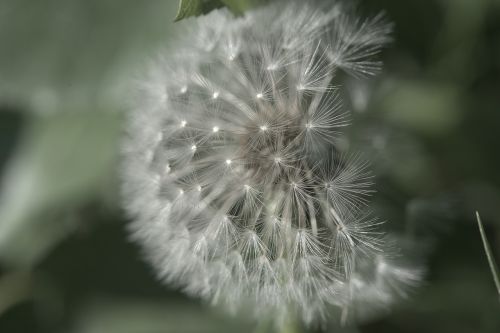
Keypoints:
(65, 262)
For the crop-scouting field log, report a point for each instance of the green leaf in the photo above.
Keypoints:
(238, 7)
(97, 54)
(188, 8)
(64, 161)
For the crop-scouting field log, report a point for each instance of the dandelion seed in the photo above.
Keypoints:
(272, 67)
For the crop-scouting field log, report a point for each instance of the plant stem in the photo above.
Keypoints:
(489, 255)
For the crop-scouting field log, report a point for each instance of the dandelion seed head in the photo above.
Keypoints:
(270, 210)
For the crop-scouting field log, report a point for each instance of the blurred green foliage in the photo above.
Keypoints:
(430, 126)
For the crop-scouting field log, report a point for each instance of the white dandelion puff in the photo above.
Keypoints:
(238, 189)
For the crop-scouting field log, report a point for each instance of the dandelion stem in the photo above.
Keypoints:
(489, 254)
(266, 326)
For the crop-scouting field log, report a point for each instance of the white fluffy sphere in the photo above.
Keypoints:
(238, 189)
